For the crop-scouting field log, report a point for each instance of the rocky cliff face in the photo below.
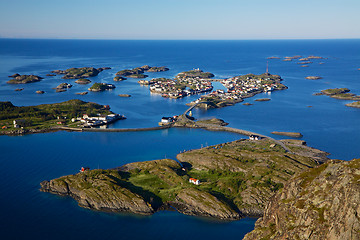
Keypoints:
(199, 203)
(322, 203)
(100, 190)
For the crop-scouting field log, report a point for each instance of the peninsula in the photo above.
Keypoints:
(49, 117)
(225, 181)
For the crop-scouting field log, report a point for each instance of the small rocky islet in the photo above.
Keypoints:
(99, 87)
(23, 79)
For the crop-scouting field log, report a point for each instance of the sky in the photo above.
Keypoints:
(180, 19)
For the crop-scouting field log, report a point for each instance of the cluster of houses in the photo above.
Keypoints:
(180, 88)
(240, 87)
(88, 121)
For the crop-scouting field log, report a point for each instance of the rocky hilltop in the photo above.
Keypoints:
(322, 203)
(236, 179)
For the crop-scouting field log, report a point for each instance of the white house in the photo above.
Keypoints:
(194, 181)
(254, 137)
(167, 119)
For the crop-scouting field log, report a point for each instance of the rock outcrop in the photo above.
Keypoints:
(322, 203)
(100, 190)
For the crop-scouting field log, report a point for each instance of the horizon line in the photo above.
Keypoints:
(174, 39)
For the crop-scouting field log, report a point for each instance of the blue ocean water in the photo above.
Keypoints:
(25, 161)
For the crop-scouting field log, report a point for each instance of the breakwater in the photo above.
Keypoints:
(115, 129)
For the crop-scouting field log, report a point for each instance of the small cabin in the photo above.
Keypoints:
(61, 122)
(83, 169)
(254, 137)
(194, 181)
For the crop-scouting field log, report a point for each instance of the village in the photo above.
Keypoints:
(183, 85)
(241, 87)
(196, 82)
(170, 88)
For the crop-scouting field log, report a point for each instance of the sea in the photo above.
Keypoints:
(25, 161)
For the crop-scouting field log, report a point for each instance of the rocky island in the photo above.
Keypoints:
(139, 71)
(23, 79)
(77, 73)
(225, 181)
(195, 73)
(339, 93)
(99, 87)
(313, 77)
(353, 104)
(83, 81)
(46, 117)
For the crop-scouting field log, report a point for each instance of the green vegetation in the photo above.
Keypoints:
(334, 91)
(46, 115)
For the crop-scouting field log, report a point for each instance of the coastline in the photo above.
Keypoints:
(167, 181)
